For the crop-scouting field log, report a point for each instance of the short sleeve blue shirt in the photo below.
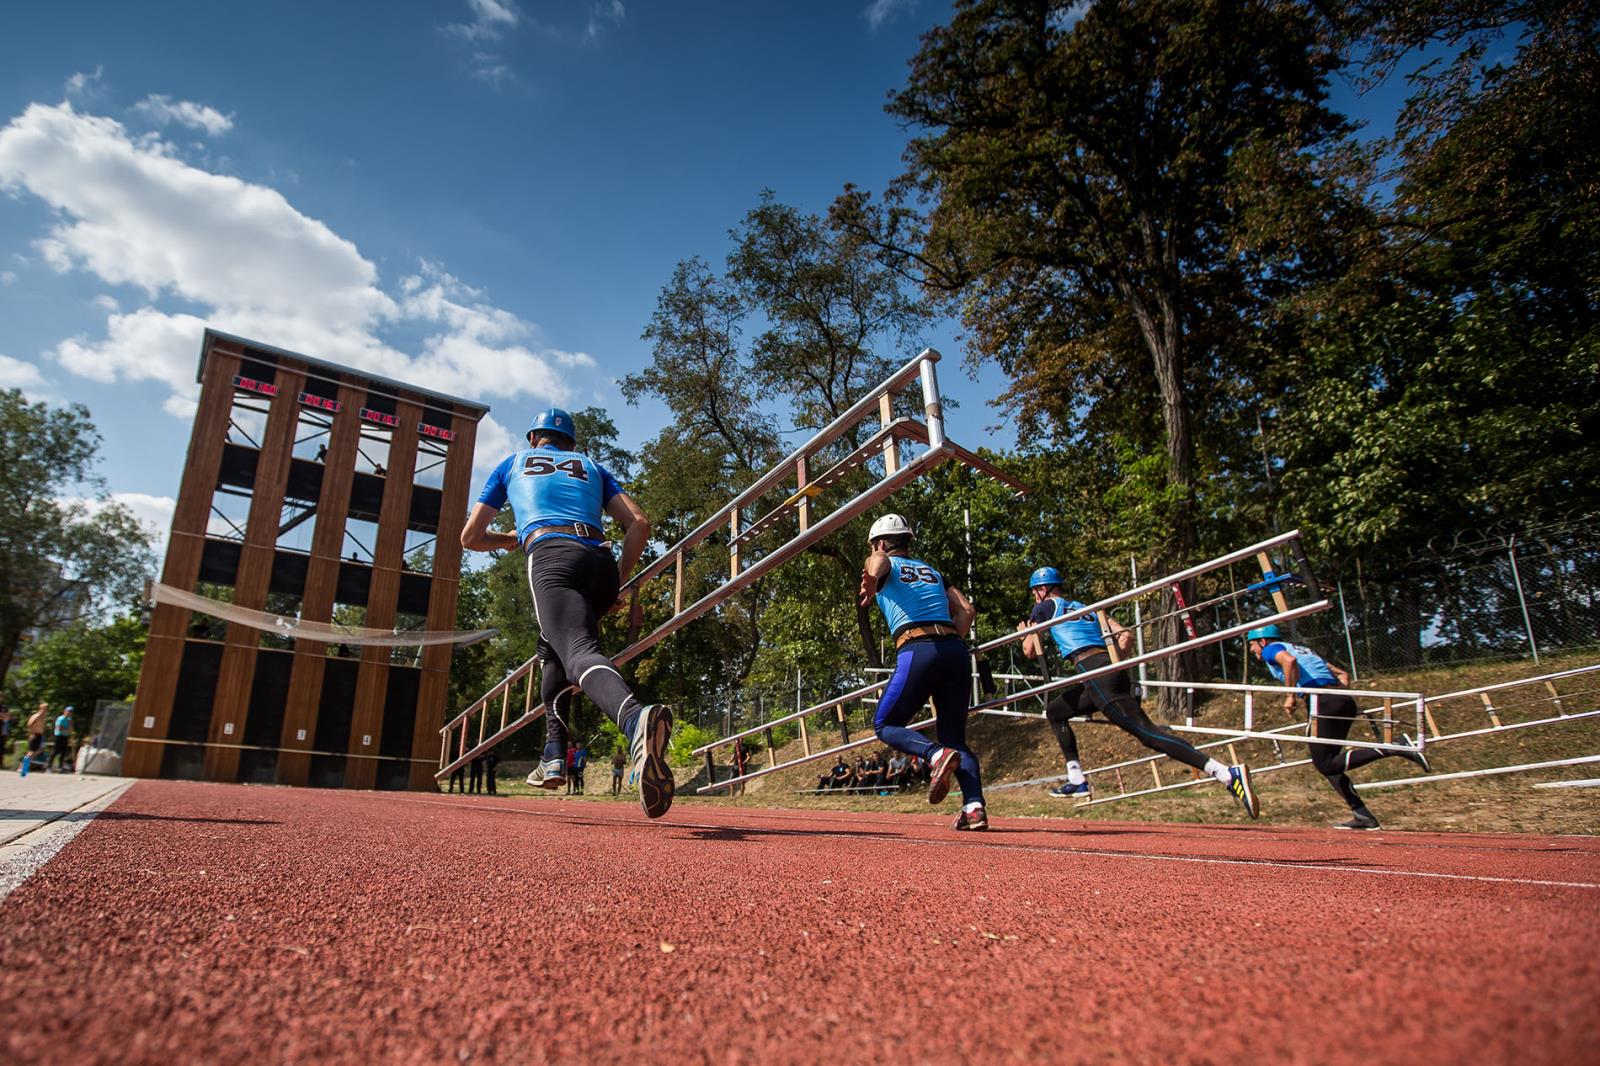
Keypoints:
(550, 487)
(913, 593)
(1314, 671)
(1073, 635)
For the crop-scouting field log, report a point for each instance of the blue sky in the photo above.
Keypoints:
(480, 197)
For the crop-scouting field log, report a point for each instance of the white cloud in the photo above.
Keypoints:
(15, 374)
(8, 277)
(84, 83)
(163, 109)
(603, 14)
(880, 11)
(491, 69)
(247, 262)
(490, 20)
(106, 303)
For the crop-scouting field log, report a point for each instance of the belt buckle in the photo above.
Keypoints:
(585, 530)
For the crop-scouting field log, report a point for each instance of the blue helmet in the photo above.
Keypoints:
(554, 420)
(1263, 633)
(1045, 575)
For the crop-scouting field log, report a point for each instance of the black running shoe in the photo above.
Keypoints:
(1416, 754)
(649, 751)
(1362, 820)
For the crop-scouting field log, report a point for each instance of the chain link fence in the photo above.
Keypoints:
(1486, 595)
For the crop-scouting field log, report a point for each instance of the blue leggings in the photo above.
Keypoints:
(941, 668)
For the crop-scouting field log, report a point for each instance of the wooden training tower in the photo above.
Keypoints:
(316, 491)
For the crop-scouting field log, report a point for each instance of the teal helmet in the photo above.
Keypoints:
(1263, 633)
(555, 420)
(1045, 575)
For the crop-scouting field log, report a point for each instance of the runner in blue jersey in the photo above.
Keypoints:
(928, 621)
(1297, 666)
(557, 496)
(1081, 642)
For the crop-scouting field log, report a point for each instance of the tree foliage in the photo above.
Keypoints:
(59, 561)
(84, 663)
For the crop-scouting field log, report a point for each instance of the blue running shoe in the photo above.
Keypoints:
(1239, 788)
(1067, 790)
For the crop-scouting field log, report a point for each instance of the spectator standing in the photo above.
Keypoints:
(5, 731)
(616, 772)
(580, 762)
(38, 722)
(572, 769)
(63, 738)
(476, 776)
(491, 762)
(458, 779)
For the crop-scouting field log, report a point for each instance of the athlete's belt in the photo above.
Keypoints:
(923, 631)
(576, 529)
(1081, 654)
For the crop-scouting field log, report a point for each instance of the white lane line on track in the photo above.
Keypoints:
(23, 857)
(1036, 849)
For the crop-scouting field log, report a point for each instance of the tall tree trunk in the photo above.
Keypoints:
(8, 654)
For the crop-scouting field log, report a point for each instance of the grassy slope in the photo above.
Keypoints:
(1014, 750)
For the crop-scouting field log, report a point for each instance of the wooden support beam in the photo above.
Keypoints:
(1554, 695)
(891, 447)
(733, 540)
(805, 737)
(801, 474)
(1488, 705)
(677, 587)
(772, 750)
(1388, 720)
(1278, 599)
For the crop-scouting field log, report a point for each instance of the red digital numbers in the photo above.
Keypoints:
(265, 388)
(321, 403)
(380, 417)
(434, 431)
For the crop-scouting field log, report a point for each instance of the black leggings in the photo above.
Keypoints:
(1112, 696)
(1335, 716)
(573, 585)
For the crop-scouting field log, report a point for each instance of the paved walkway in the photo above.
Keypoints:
(40, 813)
(28, 803)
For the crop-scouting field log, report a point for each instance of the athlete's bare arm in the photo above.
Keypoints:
(1120, 634)
(478, 537)
(1030, 643)
(873, 572)
(1291, 676)
(635, 531)
(962, 613)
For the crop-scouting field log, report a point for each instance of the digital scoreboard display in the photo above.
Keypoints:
(321, 403)
(379, 417)
(265, 388)
(436, 432)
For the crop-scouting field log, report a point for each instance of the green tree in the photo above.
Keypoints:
(58, 563)
(1101, 198)
(84, 663)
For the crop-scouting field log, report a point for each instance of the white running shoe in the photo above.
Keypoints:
(649, 750)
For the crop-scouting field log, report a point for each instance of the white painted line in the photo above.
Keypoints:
(1032, 848)
(21, 858)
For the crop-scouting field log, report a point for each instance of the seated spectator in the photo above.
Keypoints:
(858, 772)
(836, 777)
(872, 772)
(895, 775)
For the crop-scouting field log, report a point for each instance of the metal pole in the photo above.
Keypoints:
(1348, 643)
(1138, 628)
(933, 412)
(1526, 620)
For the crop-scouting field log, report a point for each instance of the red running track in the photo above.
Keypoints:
(228, 924)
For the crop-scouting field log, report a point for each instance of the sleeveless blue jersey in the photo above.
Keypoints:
(1073, 635)
(550, 487)
(912, 594)
(1314, 672)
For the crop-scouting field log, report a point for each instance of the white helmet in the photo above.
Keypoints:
(890, 525)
